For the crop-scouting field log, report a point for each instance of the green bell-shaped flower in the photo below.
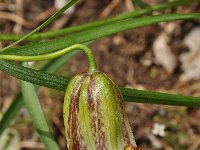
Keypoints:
(94, 115)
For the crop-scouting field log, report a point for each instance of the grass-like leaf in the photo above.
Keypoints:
(60, 83)
(34, 76)
(79, 28)
(38, 119)
(94, 34)
(11, 112)
(51, 67)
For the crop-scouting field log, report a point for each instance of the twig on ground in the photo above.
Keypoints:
(23, 22)
(32, 145)
(10, 7)
(129, 5)
(20, 12)
(105, 13)
(17, 19)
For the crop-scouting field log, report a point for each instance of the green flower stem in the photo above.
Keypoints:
(79, 28)
(92, 61)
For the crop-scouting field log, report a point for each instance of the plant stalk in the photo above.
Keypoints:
(87, 50)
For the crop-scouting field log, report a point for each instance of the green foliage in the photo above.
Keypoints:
(52, 18)
(35, 111)
(80, 35)
(79, 28)
(60, 83)
(51, 67)
(94, 34)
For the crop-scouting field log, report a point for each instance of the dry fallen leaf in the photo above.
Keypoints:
(190, 61)
(162, 50)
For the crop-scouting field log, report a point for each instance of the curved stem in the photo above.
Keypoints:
(87, 50)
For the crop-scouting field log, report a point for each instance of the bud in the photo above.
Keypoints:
(94, 115)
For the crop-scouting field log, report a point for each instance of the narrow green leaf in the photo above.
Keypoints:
(11, 113)
(79, 28)
(51, 67)
(34, 76)
(35, 111)
(60, 83)
(48, 21)
(95, 33)
(150, 97)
